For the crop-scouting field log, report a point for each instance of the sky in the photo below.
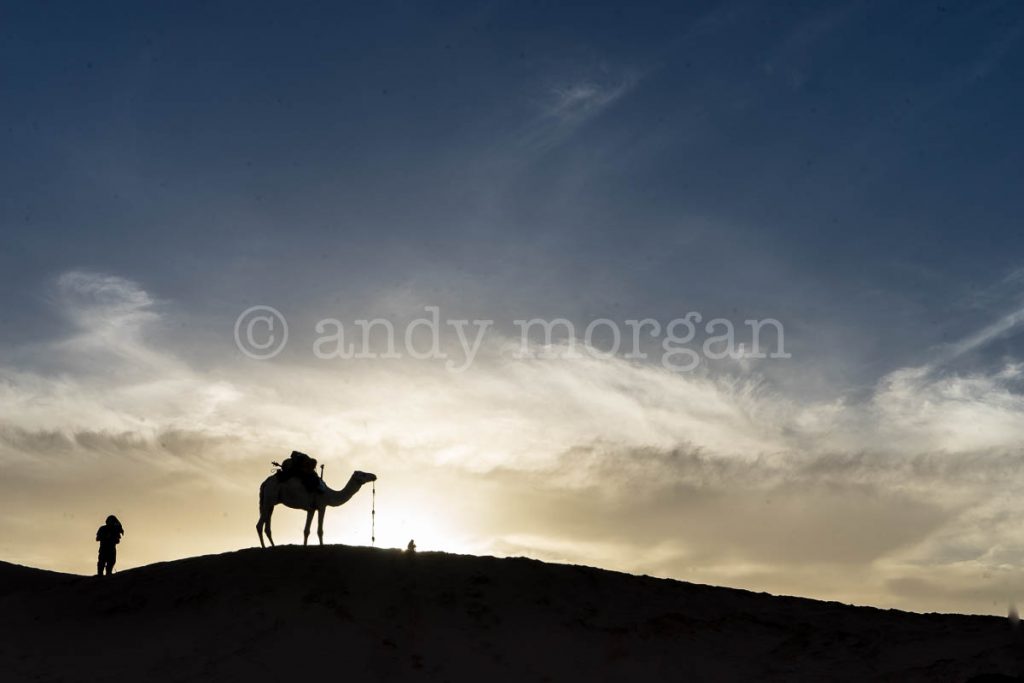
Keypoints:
(849, 170)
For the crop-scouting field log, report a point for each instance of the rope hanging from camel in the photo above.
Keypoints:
(373, 516)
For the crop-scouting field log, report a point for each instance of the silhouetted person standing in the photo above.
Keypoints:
(109, 535)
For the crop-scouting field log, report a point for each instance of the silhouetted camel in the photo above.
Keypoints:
(292, 493)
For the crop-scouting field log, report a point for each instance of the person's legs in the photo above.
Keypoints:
(106, 563)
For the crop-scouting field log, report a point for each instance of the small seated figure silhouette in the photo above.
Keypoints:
(108, 535)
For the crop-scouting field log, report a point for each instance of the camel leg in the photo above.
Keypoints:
(264, 522)
(265, 518)
(320, 524)
(309, 523)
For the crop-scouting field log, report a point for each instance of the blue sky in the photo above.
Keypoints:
(850, 169)
(825, 157)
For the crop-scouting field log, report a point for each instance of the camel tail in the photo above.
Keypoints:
(262, 495)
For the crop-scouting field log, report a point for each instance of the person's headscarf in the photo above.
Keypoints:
(115, 522)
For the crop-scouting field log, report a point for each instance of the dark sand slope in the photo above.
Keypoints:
(357, 614)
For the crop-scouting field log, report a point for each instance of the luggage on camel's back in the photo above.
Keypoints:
(296, 464)
(300, 466)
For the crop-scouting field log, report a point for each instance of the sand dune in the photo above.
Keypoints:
(359, 614)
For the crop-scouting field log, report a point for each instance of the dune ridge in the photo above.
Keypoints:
(385, 615)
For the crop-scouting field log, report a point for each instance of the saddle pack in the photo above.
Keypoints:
(298, 465)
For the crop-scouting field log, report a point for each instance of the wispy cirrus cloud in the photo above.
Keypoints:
(567, 106)
(576, 102)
